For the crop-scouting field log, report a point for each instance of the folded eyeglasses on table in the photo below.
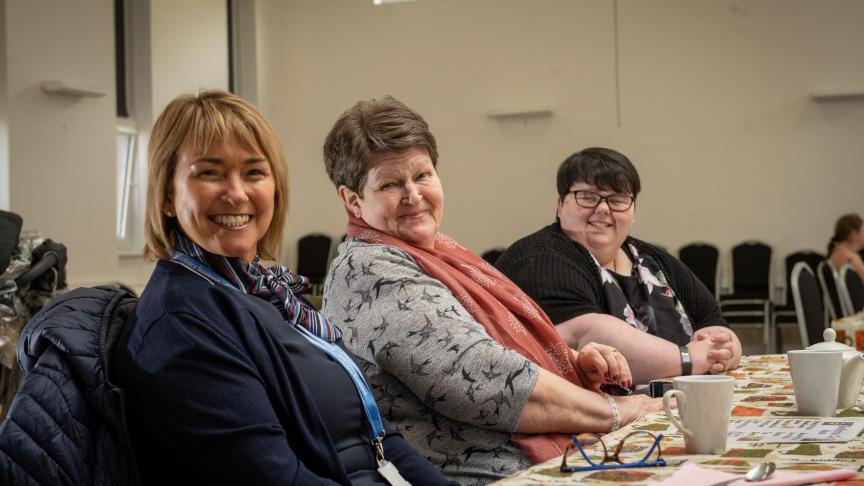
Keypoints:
(652, 457)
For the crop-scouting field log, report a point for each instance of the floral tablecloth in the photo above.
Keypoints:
(763, 388)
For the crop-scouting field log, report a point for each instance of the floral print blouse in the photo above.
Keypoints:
(644, 298)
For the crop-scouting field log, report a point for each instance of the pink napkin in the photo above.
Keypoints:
(693, 475)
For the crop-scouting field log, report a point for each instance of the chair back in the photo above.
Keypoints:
(313, 255)
(751, 270)
(808, 304)
(828, 282)
(811, 258)
(10, 232)
(851, 290)
(703, 259)
(492, 255)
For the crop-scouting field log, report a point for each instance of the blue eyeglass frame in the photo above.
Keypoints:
(659, 462)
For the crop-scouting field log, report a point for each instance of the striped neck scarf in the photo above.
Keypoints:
(277, 285)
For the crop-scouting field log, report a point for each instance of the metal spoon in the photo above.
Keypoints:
(759, 472)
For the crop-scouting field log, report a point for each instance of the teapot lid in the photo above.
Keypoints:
(829, 343)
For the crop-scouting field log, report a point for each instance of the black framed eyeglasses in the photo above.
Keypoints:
(590, 199)
(651, 458)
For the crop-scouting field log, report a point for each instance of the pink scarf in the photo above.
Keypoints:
(509, 316)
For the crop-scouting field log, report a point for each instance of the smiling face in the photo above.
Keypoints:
(223, 200)
(599, 229)
(402, 196)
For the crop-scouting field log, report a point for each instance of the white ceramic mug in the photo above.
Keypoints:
(816, 376)
(704, 404)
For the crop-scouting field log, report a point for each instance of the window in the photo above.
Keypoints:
(127, 131)
(132, 55)
(126, 142)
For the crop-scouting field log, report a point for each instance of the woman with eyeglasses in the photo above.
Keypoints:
(599, 284)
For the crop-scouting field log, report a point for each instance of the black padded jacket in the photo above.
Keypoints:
(66, 423)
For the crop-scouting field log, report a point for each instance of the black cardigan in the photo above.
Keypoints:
(560, 275)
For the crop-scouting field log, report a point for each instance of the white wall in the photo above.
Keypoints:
(4, 127)
(62, 149)
(718, 113)
(714, 107)
(189, 48)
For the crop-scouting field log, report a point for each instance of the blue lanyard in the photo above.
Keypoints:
(203, 270)
(376, 427)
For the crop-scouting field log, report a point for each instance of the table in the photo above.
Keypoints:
(763, 388)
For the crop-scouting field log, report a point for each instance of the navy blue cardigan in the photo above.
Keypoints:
(215, 398)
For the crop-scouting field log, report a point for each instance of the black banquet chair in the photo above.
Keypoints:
(807, 298)
(703, 259)
(785, 314)
(851, 290)
(492, 255)
(828, 281)
(313, 256)
(750, 300)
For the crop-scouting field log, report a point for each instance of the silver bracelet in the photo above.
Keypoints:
(616, 412)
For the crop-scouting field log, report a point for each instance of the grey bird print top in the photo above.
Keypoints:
(451, 390)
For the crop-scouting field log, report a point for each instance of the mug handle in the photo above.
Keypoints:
(681, 397)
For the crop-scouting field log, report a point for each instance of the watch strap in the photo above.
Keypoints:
(686, 362)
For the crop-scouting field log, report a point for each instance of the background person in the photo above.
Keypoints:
(599, 284)
(464, 363)
(231, 378)
(846, 244)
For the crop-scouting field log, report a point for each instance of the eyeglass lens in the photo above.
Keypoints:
(590, 199)
(637, 447)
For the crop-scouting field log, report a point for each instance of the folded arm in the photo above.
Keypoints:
(417, 331)
(556, 405)
(713, 348)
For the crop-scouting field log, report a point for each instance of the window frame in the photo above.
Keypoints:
(132, 22)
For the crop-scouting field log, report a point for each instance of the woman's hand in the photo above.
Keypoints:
(714, 349)
(600, 364)
(634, 406)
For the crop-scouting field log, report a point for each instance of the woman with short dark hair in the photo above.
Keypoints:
(599, 284)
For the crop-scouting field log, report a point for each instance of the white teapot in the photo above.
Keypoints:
(851, 371)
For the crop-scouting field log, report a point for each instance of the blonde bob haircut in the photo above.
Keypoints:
(199, 123)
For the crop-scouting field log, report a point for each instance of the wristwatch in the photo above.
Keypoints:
(686, 362)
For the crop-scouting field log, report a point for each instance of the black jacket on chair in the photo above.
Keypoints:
(66, 424)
